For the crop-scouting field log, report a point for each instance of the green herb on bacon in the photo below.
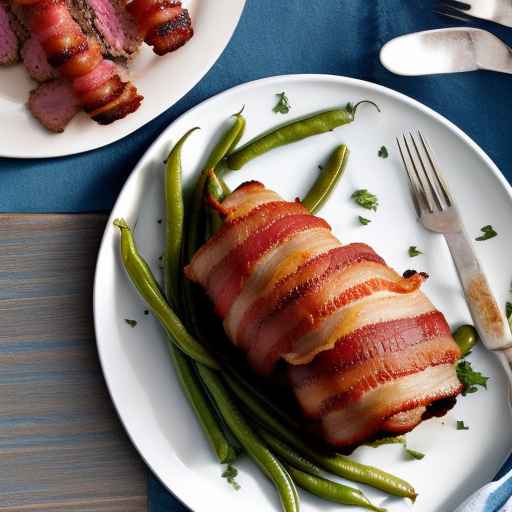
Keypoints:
(469, 378)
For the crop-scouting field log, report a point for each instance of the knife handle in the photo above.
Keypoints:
(487, 317)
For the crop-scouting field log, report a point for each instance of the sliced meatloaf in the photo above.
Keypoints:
(54, 104)
(110, 23)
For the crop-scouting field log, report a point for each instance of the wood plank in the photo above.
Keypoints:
(62, 447)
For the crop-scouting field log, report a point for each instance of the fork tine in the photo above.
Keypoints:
(437, 172)
(425, 193)
(415, 193)
(430, 178)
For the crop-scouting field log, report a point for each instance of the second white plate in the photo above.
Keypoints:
(161, 80)
(136, 366)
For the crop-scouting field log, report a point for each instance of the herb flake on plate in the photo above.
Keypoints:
(131, 323)
(283, 105)
(508, 310)
(469, 378)
(363, 220)
(461, 426)
(414, 251)
(365, 199)
(230, 473)
(488, 232)
(383, 152)
(412, 454)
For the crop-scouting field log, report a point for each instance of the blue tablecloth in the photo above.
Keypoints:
(273, 38)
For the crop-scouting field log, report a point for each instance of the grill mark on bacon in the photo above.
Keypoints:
(64, 54)
(229, 275)
(165, 25)
(371, 341)
(120, 109)
(295, 285)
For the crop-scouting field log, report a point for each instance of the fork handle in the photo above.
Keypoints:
(487, 317)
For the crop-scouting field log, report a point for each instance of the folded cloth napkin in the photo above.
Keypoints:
(273, 38)
(493, 497)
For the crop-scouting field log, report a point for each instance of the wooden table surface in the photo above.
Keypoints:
(62, 447)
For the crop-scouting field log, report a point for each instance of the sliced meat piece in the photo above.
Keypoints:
(54, 104)
(110, 23)
(35, 61)
(9, 45)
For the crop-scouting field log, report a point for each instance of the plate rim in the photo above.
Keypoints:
(166, 105)
(341, 80)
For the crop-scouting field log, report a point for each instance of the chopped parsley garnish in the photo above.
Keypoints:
(383, 152)
(488, 232)
(461, 426)
(412, 454)
(131, 323)
(469, 378)
(363, 220)
(508, 310)
(365, 199)
(349, 108)
(414, 251)
(230, 473)
(282, 105)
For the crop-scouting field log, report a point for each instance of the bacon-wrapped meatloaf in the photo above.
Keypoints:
(366, 351)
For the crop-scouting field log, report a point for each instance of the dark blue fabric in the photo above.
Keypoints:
(317, 36)
(273, 38)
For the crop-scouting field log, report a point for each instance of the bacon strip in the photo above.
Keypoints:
(366, 351)
(79, 59)
(163, 24)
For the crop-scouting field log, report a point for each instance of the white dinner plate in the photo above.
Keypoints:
(161, 80)
(135, 362)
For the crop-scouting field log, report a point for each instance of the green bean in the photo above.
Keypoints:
(202, 408)
(216, 192)
(466, 337)
(331, 491)
(293, 132)
(250, 441)
(219, 152)
(187, 377)
(174, 221)
(284, 452)
(334, 463)
(144, 281)
(327, 180)
(255, 401)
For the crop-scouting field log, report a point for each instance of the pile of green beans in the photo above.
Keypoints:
(226, 405)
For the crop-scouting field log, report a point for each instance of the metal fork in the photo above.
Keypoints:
(437, 211)
(498, 11)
